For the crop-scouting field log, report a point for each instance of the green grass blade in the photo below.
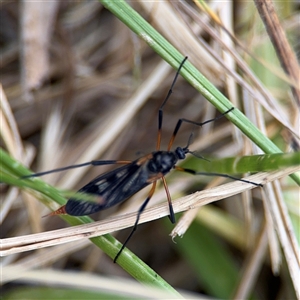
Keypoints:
(159, 44)
(10, 173)
(50, 293)
(213, 264)
(245, 164)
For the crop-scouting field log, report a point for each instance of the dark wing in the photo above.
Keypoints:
(111, 188)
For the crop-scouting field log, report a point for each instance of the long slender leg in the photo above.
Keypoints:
(180, 121)
(90, 163)
(160, 112)
(172, 215)
(142, 208)
(193, 172)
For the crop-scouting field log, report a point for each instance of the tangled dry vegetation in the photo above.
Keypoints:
(78, 85)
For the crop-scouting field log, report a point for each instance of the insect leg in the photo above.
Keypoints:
(93, 163)
(179, 123)
(142, 208)
(193, 172)
(172, 215)
(160, 112)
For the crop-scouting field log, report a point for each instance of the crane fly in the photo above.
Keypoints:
(118, 185)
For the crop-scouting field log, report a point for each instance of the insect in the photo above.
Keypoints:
(118, 185)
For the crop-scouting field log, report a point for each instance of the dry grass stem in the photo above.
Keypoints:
(46, 239)
(77, 85)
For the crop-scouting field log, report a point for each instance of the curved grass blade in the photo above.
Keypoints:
(10, 173)
(158, 43)
(245, 164)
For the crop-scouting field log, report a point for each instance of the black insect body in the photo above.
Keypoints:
(118, 185)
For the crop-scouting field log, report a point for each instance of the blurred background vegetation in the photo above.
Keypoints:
(70, 72)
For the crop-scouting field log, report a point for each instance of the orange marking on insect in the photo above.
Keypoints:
(155, 177)
(59, 211)
(144, 159)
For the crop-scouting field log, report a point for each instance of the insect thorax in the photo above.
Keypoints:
(162, 162)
